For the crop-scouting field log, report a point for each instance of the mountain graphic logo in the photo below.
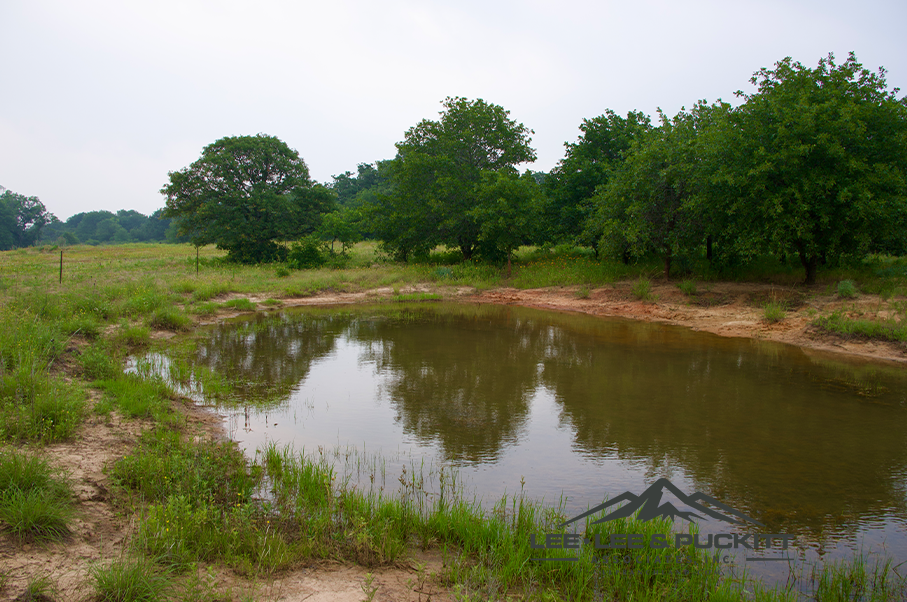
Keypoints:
(650, 506)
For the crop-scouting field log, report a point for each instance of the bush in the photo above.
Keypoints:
(307, 253)
(773, 312)
(847, 289)
(642, 289)
(688, 287)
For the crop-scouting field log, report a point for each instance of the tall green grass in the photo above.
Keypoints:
(35, 500)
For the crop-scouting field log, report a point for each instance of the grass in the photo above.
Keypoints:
(240, 304)
(130, 579)
(35, 501)
(202, 501)
(847, 289)
(642, 289)
(838, 322)
(688, 288)
(773, 312)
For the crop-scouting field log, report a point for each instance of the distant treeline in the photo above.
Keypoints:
(24, 221)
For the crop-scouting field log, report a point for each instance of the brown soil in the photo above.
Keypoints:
(102, 532)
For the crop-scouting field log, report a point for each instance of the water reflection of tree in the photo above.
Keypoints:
(463, 381)
(267, 357)
(751, 428)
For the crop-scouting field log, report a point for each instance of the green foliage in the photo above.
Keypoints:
(847, 289)
(307, 253)
(840, 323)
(642, 289)
(773, 311)
(439, 165)
(35, 501)
(99, 362)
(240, 304)
(132, 579)
(814, 164)
(136, 397)
(169, 318)
(688, 287)
(587, 164)
(244, 194)
(37, 407)
(507, 210)
(406, 297)
(21, 219)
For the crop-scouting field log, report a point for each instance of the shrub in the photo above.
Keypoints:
(688, 287)
(847, 289)
(773, 311)
(642, 289)
(306, 254)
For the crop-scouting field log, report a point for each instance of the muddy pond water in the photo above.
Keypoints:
(576, 409)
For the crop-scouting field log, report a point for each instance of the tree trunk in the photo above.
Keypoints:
(708, 247)
(811, 263)
(667, 266)
(508, 264)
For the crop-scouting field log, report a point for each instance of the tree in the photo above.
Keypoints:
(21, 219)
(440, 164)
(507, 209)
(245, 194)
(649, 204)
(816, 163)
(587, 164)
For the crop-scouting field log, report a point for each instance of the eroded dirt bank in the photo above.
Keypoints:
(102, 532)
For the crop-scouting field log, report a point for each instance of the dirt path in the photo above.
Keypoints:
(102, 532)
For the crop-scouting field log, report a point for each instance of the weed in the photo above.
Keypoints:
(272, 302)
(281, 272)
(773, 311)
(169, 318)
(134, 335)
(35, 501)
(642, 289)
(688, 287)
(136, 397)
(839, 323)
(39, 589)
(583, 292)
(847, 289)
(134, 579)
(99, 362)
(38, 407)
(205, 308)
(368, 587)
(240, 304)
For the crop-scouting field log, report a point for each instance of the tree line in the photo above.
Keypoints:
(811, 168)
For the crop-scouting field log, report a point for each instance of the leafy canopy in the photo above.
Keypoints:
(244, 194)
(815, 163)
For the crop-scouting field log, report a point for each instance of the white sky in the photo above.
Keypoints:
(99, 100)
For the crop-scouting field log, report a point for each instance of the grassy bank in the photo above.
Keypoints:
(196, 501)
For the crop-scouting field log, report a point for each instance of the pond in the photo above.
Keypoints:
(576, 409)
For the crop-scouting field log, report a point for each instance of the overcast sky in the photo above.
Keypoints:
(99, 100)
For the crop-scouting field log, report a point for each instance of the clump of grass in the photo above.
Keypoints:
(688, 287)
(38, 407)
(134, 335)
(39, 589)
(99, 362)
(847, 289)
(134, 579)
(137, 397)
(282, 271)
(35, 501)
(205, 308)
(839, 323)
(583, 292)
(240, 304)
(773, 311)
(169, 318)
(272, 302)
(209, 291)
(403, 297)
(642, 289)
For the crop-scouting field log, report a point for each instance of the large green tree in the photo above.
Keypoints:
(439, 168)
(814, 163)
(21, 219)
(587, 164)
(245, 194)
(649, 204)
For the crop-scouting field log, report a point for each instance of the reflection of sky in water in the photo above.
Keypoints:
(564, 447)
